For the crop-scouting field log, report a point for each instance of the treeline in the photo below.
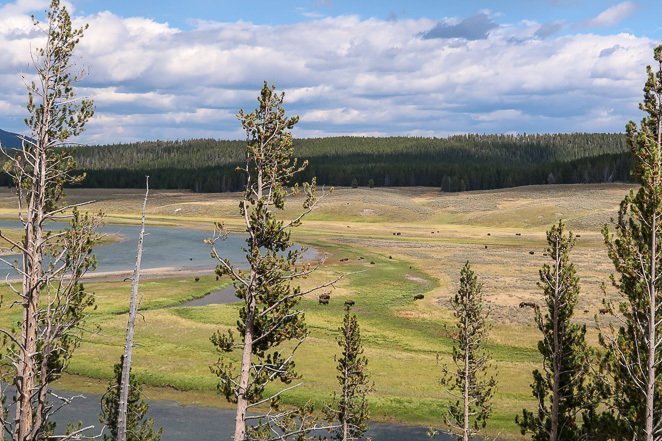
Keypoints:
(457, 163)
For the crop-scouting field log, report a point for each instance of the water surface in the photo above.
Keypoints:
(184, 423)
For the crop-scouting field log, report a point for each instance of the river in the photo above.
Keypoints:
(184, 423)
(181, 248)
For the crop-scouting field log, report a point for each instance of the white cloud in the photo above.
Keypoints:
(613, 15)
(342, 75)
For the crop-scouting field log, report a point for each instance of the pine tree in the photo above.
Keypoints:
(561, 390)
(634, 350)
(138, 428)
(51, 296)
(472, 379)
(268, 314)
(350, 407)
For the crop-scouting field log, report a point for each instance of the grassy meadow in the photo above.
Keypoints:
(411, 241)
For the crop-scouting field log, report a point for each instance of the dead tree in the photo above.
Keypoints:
(51, 297)
(134, 305)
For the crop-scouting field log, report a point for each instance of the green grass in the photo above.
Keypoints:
(175, 352)
(406, 340)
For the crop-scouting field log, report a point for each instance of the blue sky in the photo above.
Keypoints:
(643, 20)
(173, 70)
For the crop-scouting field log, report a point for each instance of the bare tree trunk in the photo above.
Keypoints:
(467, 366)
(134, 304)
(345, 423)
(652, 337)
(32, 264)
(244, 378)
(556, 393)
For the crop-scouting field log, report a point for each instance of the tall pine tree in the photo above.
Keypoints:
(269, 314)
(634, 349)
(472, 379)
(350, 407)
(561, 390)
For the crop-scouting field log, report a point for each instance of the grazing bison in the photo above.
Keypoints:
(489, 234)
(578, 235)
(527, 305)
(419, 297)
(604, 311)
(344, 259)
(485, 246)
(324, 299)
(372, 263)
(532, 252)
(349, 302)
(197, 279)
(518, 234)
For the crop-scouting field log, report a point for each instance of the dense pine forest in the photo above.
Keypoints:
(456, 163)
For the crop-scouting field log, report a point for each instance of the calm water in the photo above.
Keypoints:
(183, 423)
(165, 247)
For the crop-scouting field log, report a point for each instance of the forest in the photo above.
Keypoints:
(456, 163)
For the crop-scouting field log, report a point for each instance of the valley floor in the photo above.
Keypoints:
(418, 239)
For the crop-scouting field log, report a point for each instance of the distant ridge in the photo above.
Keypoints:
(9, 140)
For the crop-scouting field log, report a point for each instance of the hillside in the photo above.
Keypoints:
(458, 163)
(9, 140)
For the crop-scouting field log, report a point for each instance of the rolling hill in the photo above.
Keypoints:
(9, 140)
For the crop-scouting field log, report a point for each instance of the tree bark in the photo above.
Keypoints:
(134, 304)
(244, 377)
(465, 425)
(32, 268)
(556, 358)
(652, 293)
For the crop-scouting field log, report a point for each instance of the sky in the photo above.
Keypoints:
(179, 70)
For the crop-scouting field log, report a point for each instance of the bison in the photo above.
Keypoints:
(419, 297)
(527, 305)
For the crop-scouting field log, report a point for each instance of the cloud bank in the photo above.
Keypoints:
(342, 75)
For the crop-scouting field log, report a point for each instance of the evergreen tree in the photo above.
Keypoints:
(561, 389)
(472, 379)
(138, 428)
(350, 407)
(268, 315)
(634, 350)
